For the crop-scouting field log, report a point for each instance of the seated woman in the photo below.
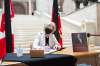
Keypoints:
(46, 39)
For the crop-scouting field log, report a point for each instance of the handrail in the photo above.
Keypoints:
(79, 9)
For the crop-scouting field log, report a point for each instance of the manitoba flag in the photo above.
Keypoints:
(6, 36)
(57, 21)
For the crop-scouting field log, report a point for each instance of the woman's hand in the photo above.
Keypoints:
(57, 47)
(46, 48)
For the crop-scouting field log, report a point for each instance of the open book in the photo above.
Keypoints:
(49, 51)
(46, 49)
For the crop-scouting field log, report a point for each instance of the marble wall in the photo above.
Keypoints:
(98, 24)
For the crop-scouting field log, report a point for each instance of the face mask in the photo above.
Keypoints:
(48, 30)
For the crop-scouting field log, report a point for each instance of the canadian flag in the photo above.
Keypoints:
(2, 37)
(3, 46)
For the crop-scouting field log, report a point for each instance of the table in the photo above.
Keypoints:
(47, 60)
(90, 58)
(10, 63)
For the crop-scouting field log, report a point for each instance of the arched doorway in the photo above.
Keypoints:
(19, 8)
(0, 3)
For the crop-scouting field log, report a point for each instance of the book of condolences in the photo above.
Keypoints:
(79, 42)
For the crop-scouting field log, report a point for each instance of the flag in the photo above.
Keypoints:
(4, 45)
(57, 21)
(2, 36)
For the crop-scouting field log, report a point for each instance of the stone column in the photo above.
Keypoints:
(34, 4)
(44, 6)
(30, 7)
(98, 24)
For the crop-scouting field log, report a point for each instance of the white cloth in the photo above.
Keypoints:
(40, 41)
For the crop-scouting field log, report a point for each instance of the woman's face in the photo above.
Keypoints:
(49, 29)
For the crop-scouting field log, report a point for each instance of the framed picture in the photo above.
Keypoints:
(79, 42)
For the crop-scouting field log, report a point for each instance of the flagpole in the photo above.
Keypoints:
(7, 26)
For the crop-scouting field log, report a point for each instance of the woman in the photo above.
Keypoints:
(47, 39)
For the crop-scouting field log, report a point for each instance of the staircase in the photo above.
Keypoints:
(25, 29)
